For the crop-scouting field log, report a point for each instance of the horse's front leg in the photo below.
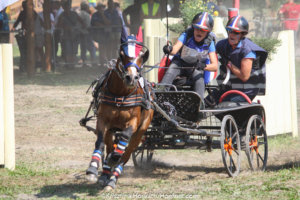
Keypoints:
(114, 158)
(92, 171)
(107, 169)
(137, 136)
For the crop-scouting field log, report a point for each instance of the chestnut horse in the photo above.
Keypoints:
(123, 115)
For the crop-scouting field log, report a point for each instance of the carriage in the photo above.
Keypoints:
(231, 127)
(135, 118)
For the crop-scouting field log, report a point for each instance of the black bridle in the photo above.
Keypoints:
(121, 68)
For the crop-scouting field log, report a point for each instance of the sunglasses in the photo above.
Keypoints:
(200, 29)
(233, 31)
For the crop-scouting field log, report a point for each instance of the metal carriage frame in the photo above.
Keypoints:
(237, 127)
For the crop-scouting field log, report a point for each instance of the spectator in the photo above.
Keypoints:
(56, 10)
(99, 23)
(113, 16)
(39, 39)
(290, 12)
(70, 24)
(4, 27)
(86, 42)
(20, 36)
(223, 11)
(93, 3)
(117, 7)
(133, 12)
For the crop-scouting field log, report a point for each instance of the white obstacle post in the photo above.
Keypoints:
(280, 101)
(8, 106)
(1, 112)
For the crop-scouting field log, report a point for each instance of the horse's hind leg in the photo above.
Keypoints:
(92, 171)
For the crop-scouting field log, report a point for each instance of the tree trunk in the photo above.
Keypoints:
(47, 26)
(30, 39)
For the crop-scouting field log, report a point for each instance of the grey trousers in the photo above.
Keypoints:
(176, 69)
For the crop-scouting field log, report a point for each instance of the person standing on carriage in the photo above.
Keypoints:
(243, 60)
(194, 52)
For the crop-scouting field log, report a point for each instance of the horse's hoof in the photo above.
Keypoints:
(91, 178)
(103, 179)
(92, 170)
(108, 188)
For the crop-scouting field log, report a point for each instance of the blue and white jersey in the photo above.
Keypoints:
(193, 44)
(204, 49)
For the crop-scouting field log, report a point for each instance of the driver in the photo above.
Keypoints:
(194, 52)
(243, 60)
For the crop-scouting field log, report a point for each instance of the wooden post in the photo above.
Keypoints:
(30, 39)
(48, 43)
(1, 111)
(9, 121)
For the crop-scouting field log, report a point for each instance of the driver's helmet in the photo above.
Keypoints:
(203, 21)
(238, 24)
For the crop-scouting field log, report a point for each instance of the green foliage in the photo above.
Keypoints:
(269, 44)
(188, 10)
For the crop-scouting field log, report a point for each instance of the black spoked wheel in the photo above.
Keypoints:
(142, 157)
(230, 146)
(256, 143)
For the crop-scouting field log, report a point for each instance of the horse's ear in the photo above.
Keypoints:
(145, 56)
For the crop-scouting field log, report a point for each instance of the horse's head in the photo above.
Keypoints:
(133, 55)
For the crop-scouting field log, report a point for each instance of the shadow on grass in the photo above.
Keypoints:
(65, 77)
(287, 165)
(70, 190)
(153, 170)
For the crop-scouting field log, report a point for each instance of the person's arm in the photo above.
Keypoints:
(176, 47)
(244, 72)
(213, 66)
(17, 21)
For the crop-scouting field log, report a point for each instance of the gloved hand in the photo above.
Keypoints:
(167, 49)
(201, 65)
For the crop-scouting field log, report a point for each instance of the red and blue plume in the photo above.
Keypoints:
(139, 38)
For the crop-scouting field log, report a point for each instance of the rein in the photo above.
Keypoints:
(130, 100)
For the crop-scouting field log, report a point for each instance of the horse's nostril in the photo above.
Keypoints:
(136, 78)
(127, 77)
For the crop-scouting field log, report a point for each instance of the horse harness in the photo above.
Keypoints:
(102, 95)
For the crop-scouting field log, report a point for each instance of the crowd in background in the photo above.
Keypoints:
(93, 26)
(96, 26)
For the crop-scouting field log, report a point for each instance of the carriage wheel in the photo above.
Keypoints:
(142, 157)
(256, 143)
(230, 146)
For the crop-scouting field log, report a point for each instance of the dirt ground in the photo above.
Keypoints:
(48, 136)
